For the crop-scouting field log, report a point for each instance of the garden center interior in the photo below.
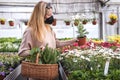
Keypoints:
(100, 18)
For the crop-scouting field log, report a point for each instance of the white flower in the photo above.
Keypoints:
(87, 59)
(91, 68)
(74, 60)
(77, 54)
(118, 57)
(60, 58)
(98, 65)
(82, 57)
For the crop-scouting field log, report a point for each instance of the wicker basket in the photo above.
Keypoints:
(40, 71)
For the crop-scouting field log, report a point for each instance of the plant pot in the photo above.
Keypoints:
(2, 22)
(94, 22)
(67, 23)
(11, 23)
(54, 22)
(75, 23)
(81, 41)
(112, 22)
(84, 22)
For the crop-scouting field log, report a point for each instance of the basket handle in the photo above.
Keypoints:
(37, 58)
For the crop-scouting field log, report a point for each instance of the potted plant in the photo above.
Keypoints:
(2, 21)
(113, 19)
(81, 34)
(84, 21)
(76, 22)
(67, 22)
(42, 64)
(94, 22)
(11, 22)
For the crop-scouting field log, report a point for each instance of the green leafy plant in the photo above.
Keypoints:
(46, 56)
(81, 31)
(10, 44)
(49, 55)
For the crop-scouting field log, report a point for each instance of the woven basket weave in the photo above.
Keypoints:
(40, 71)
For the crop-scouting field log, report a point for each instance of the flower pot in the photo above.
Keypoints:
(112, 22)
(94, 22)
(84, 22)
(67, 23)
(11, 23)
(81, 41)
(2, 22)
(54, 22)
(75, 23)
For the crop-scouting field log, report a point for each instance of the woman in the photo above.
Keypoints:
(39, 33)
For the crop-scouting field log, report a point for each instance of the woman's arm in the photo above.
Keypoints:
(26, 44)
(65, 43)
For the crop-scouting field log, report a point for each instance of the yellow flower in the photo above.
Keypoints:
(97, 41)
(114, 38)
(113, 16)
(2, 19)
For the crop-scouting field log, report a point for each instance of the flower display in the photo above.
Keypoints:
(8, 62)
(114, 38)
(89, 61)
(113, 19)
(81, 64)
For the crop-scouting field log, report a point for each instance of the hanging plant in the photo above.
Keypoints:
(2, 21)
(113, 19)
(84, 21)
(67, 22)
(76, 22)
(94, 21)
(11, 23)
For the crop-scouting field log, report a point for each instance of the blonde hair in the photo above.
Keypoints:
(36, 22)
